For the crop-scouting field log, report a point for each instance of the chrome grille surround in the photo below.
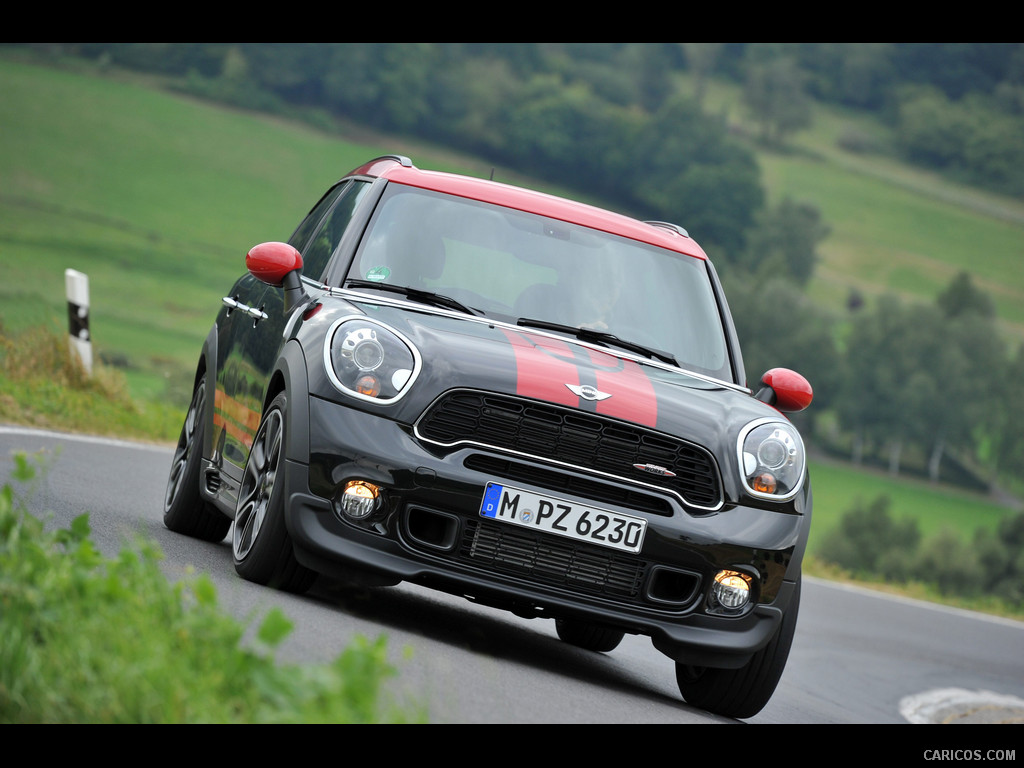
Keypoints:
(585, 442)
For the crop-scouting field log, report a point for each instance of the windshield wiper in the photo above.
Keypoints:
(599, 337)
(416, 294)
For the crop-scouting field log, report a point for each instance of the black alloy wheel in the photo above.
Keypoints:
(260, 544)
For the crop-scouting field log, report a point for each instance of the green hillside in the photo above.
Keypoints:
(157, 198)
(893, 227)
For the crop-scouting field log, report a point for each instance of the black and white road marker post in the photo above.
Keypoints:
(77, 288)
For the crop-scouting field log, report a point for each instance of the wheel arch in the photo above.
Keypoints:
(206, 369)
(795, 567)
(290, 376)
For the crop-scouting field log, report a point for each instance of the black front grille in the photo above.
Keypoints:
(581, 439)
(506, 553)
(554, 561)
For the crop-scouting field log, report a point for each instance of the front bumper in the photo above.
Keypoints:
(430, 532)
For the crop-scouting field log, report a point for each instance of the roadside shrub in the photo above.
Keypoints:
(42, 384)
(90, 639)
(868, 540)
(950, 563)
(869, 543)
(42, 352)
(1001, 555)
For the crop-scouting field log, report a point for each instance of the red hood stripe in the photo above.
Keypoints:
(632, 393)
(545, 366)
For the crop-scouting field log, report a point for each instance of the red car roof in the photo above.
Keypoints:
(531, 201)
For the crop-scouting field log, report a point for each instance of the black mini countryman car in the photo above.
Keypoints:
(513, 397)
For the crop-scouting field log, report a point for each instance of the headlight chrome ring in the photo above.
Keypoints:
(369, 360)
(772, 459)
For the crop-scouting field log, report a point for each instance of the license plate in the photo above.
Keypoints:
(564, 518)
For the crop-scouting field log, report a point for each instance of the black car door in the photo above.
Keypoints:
(251, 328)
(248, 338)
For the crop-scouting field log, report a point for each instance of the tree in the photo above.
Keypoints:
(864, 73)
(700, 60)
(779, 326)
(1002, 440)
(868, 540)
(1002, 552)
(950, 563)
(701, 179)
(962, 298)
(775, 96)
(994, 153)
(543, 121)
(931, 130)
(927, 374)
(650, 63)
(785, 241)
(870, 404)
(974, 372)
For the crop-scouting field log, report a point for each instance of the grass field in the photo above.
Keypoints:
(893, 227)
(157, 198)
(838, 486)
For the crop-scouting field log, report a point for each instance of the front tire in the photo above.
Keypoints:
(261, 546)
(185, 511)
(742, 692)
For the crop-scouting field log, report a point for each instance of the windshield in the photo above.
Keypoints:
(516, 266)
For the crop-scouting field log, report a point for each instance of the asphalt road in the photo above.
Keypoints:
(859, 657)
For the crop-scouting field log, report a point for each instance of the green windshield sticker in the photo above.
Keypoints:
(378, 273)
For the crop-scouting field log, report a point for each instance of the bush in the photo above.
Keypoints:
(1002, 556)
(43, 384)
(868, 541)
(87, 639)
(949, 563)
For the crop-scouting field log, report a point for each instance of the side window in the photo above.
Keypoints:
(301, 235)
(318, 247)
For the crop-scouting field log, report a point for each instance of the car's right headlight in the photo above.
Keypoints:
(369, 360)
(772, 459)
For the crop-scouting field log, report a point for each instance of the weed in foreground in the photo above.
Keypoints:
(91, 639)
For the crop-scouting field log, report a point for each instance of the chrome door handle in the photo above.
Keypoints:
(253, 312)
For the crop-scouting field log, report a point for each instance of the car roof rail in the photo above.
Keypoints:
(400, 159)
(379, 164)
(669, 225)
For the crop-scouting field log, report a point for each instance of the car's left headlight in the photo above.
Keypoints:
(369, 360)
(772, 459)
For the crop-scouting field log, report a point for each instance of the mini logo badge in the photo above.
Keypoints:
(654, 469)
(588, 392)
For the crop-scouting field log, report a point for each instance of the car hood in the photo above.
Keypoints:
(463, 352)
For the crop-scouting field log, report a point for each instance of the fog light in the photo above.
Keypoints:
(731, 589)
(359, 499)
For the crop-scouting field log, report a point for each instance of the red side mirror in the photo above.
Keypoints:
(785, 389)
(271, 262)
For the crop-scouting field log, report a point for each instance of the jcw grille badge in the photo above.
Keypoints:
(654, 469)
(588, 392)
